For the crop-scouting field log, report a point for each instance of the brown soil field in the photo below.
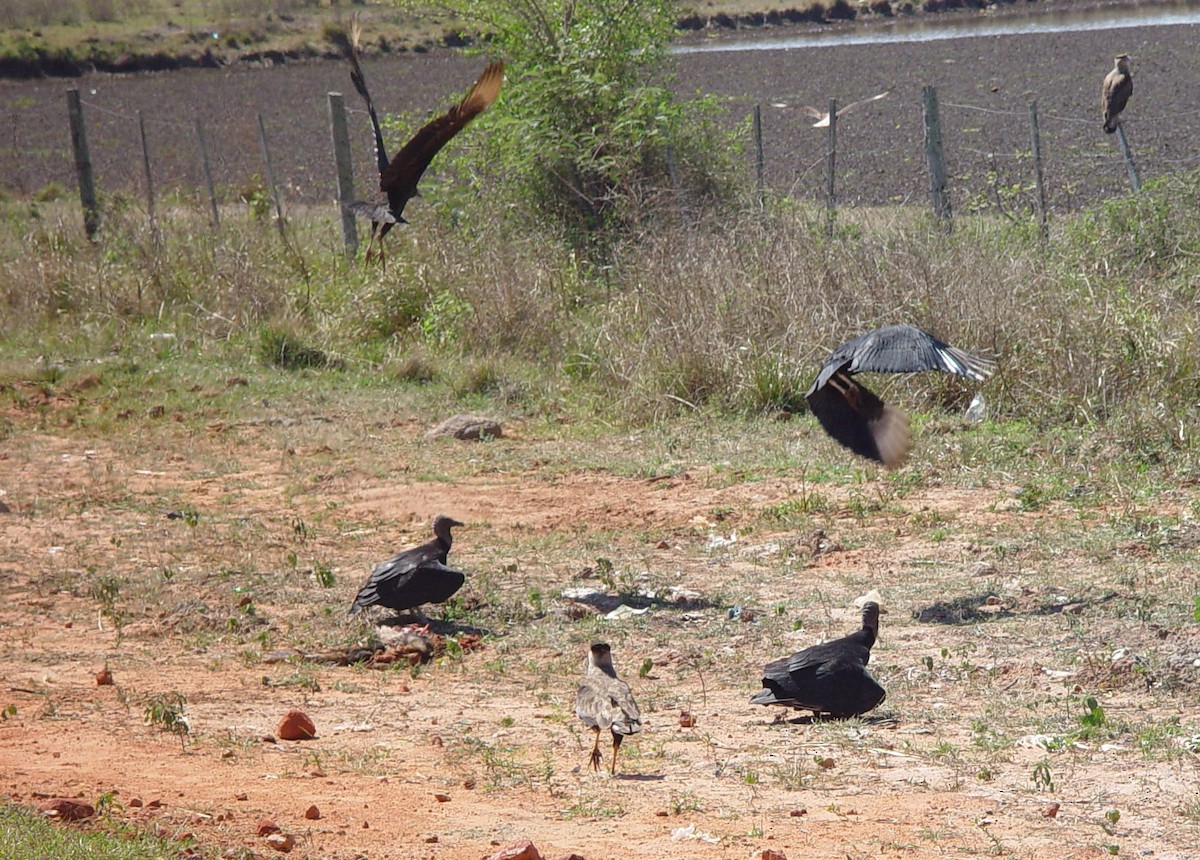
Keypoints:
(187, 551)
(984, 84)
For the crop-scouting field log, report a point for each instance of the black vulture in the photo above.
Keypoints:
(415, 576)
(854, 415)
(830, 678)
(398, 178)
(604, 702)
(1114, 95)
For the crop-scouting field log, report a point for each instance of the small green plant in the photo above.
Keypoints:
(324, 575)
(167, 711)
(1042, 779)
(1092, 720)
(10, 711)
(507, 722)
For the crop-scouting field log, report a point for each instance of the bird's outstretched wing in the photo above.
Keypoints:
(400, 178)
(822, 116)
(360, 83)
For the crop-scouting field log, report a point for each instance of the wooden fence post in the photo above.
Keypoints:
(939, 196)
(1036, 141)
(274, 189)
(146, 169)
(344, 164)
(208, 180)
(830, 197)
(759, 165)
(83, 164)
(1130, 168)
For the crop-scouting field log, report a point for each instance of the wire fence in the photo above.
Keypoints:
(988, 152)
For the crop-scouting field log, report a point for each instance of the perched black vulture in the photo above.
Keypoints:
(415, 576)
(604, 702)
(830, 678)
(398, 178)
(854, 415)
(1114, 95)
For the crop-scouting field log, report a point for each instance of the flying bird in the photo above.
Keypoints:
(855, 416)
(414, 577)
(830, 678)
(822, 116)
(604, 702)
(398, 177)
(1114, 95)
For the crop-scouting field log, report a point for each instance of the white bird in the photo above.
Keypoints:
(822, 117)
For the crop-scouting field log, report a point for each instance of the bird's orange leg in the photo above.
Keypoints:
(595, 760)
(616, 746)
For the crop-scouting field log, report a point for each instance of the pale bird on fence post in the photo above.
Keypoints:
(1114, 95)
(822, 117)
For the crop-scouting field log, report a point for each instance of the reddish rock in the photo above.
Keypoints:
(312, 813)
(296, 726)
(266, 827)
(283, 842)
(65, 809)
(768, 854)
(431, 839)
(135, 803)
(104, 678)
(571, 857)
(798, 813)
(241, 795)
(521, 850)
(687, 719)
(441, 798)
(1050, 810)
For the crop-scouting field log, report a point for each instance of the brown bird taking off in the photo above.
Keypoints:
(822, 116)
(1118, 87)
(854, 415)
(604, 702)
(398, 178)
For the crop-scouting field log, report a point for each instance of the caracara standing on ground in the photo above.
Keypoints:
(1118, 87)
(604, 702)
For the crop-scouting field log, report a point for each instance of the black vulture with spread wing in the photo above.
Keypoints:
(414, 577)
(604, 702)
(398, 177)
(830, 678)
(854, 415)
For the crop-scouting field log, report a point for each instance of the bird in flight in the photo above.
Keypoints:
(1114, 95)
(822, 116)
(854, 415)
(398, 177)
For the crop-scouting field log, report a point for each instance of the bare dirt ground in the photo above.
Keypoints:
(1003, 618)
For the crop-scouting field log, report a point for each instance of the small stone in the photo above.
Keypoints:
(266, 827)
(296, 726)
(798, 813)
(571, 856)
(437, 741)
(366, 825)
(282, 842)
(312, 813)
(662, 813)
(241, 795)
(227, 754)
(65, 809)
(467, 428)
(1050, 810)
(469, 783)
(687, 719)
(135, 803)
(441, 798)
(825, 763)
(769, 854)
(104, 678)
(431, 839)
(268, 739)
(521, 850)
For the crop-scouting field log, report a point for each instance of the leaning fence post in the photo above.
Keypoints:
(759, 166)
(83, 164)
(939, 196)
(208, 180)
(830, 197)
(344, 163)
(271, 186)
(1134, 179)
(146, 169)
(1036, 141)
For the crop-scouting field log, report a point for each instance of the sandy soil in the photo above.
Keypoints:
(943, 769)
(985, 87)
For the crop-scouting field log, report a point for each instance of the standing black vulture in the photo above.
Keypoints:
(605, 702)
(415, 576)
(1114, 95)
(830, 678)
(855, 416)
(398, 178)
